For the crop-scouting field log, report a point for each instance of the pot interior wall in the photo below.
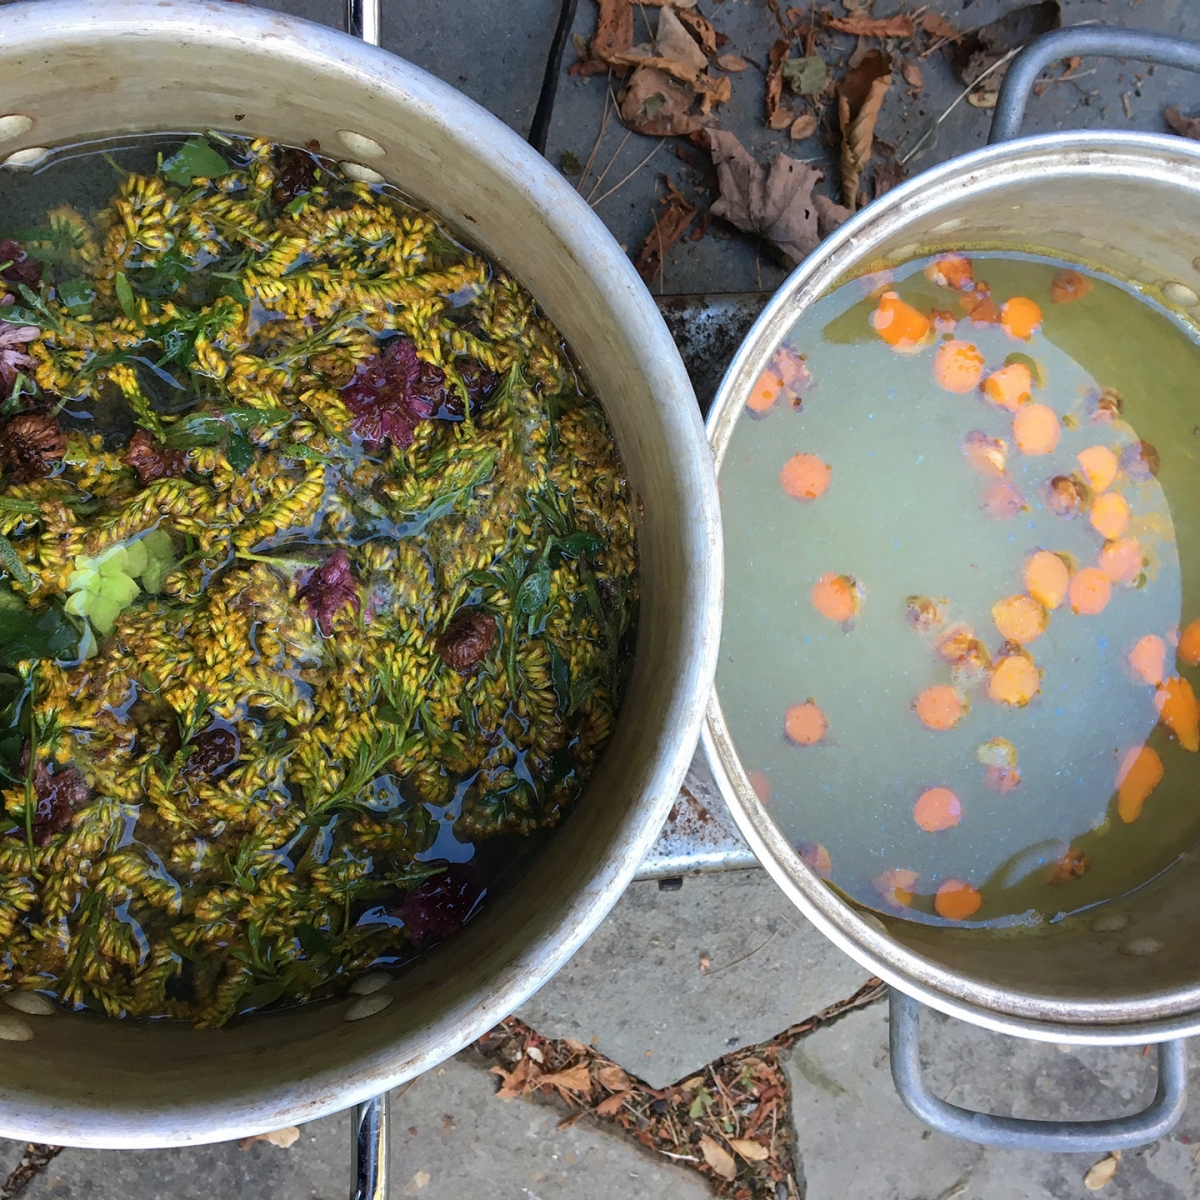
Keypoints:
(83, 72)
(1135, 213)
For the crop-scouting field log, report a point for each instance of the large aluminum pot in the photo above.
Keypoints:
(1127, 203)
(82, 71)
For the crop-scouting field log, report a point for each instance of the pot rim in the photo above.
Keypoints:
(48, 25)
(1168, 1014)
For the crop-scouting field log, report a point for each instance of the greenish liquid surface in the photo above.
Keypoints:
(907, 514)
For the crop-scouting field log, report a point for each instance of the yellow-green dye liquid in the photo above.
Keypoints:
(1039, 830)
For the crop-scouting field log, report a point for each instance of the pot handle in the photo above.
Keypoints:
(364, 20)
(1164, 49)
(1014, 1133)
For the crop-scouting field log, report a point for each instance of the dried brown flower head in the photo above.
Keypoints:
(58, 796)
(31, 445)
(152, 461)
(467, 639)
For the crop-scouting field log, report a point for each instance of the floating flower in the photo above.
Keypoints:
(21, 268)
(329, 589)
(441, 905)
(31, 445)
(152, 461)
(467, 639)
(297, 174)
(58, 796)
(13, 359)
(214, 751)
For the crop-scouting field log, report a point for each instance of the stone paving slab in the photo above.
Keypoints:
(859, 1142)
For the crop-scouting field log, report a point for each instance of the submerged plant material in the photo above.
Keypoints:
(321, 578)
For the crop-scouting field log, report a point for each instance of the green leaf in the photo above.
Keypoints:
(388, 713)
(28, 634)
(582, 542)
(580, 691)
(312, 940)
(534, 592)
(12, 563)
(239, 452)
(125, 296)
(195, 159)
(77, 295)
(560, 677)
(807, 75)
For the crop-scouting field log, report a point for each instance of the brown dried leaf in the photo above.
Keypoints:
(674, 41)
(887, 175)
(574, 1079)
(912, 75)
(612, 1077)
(939, 27)
(655, 104)
(731, 62)
(701, 29)
(612, 1105)
(860, 97)
(669, 226)
(776, 204)
(524, 1077)
(749, 1150)
(859, 24)
(1100, 1174)
(830, 214)
(285, 1139)
(713, 91)
(803, 126)
(1188, 127)
(614, 35)
(778, 117)
(987, 45)
(718, 1157)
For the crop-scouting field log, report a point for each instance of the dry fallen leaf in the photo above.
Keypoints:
(574, 1079)
(803, 126)
(984, 98)
(749, 1150)
(1099, 1174)
(718, 1157)
(1188, 127)
(731, 62)
(612, 1104)
(912, 75)
(613, 1078)
(860, 96)
(521, 1079)
(887, 175)
(614, 35)
(777, 204)
(701, 29)
(859, 24)
(778, 117)
(285, 1139)
(653, 103)
(674, 41)
(419, 1181)
(669, 226)
(535, 1054)
(939, 27)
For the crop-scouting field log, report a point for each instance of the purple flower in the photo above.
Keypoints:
(58, 797)
(392, 393)
(21, 268)
(441, 905)
(13, 358)
(329, 589)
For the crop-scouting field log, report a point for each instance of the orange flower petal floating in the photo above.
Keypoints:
(805, 724)
(979, 306)
(956, 901)
(959, 647)
(1020, 317)
(1047, 579)
(1010, 387)
(900, 325)
(761, 784)
(1179, 711)
(1141, 771)
(838, 597)
(1090, 591)
(1189, 645)
(958, 366)
(988, 455)
(897, 886)
(923, 613)
(1014, 680)
(1019, 619)
(1000, 500)
(1069, 285)
(940, 707)
(816, 858)
(1110, 515)
(943, 321)
(1149, 659)
(1099, 465)
(1071, 866)
(1121, 560)
(936, 809)
(1036, 429)
(805, 477)
(1001, 779)
(951, 271)
(764, 393)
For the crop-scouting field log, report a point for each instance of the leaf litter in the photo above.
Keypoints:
(730, 1122)
(860, 97)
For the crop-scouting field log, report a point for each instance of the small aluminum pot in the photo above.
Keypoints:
(1128, 203)
(71, 72)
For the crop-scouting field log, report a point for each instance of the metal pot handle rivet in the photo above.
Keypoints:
(1105, 41)
(1014, 1133)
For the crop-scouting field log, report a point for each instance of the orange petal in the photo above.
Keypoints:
(988, 455)
(1110, 515)
(958, 366)
(1141, 771)
(1019, 619)
(761, 784)
(1020, 317)
(1036, 429)
(1000, 500)
(1047, 579)
(805, 477)
(765, 392)
(1010, 387)
(1149, 659)
(940, 707)
(805, 724)
(816, 857)
(1014, 680)
(1099, 465)
(899, 324)
(936, 809)
(897, 886)
(950, 271)
(956, 901)
(1121, 560)
(1090, 591)
(838, 597)
(1069, 285)
(1189, 645)
(1179, 711)
(1001, 779)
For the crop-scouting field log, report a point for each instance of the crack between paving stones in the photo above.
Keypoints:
(34, 1161)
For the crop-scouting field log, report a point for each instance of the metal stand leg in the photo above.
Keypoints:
(370, 1149)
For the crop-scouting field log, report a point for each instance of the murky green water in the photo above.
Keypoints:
(906, 514)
